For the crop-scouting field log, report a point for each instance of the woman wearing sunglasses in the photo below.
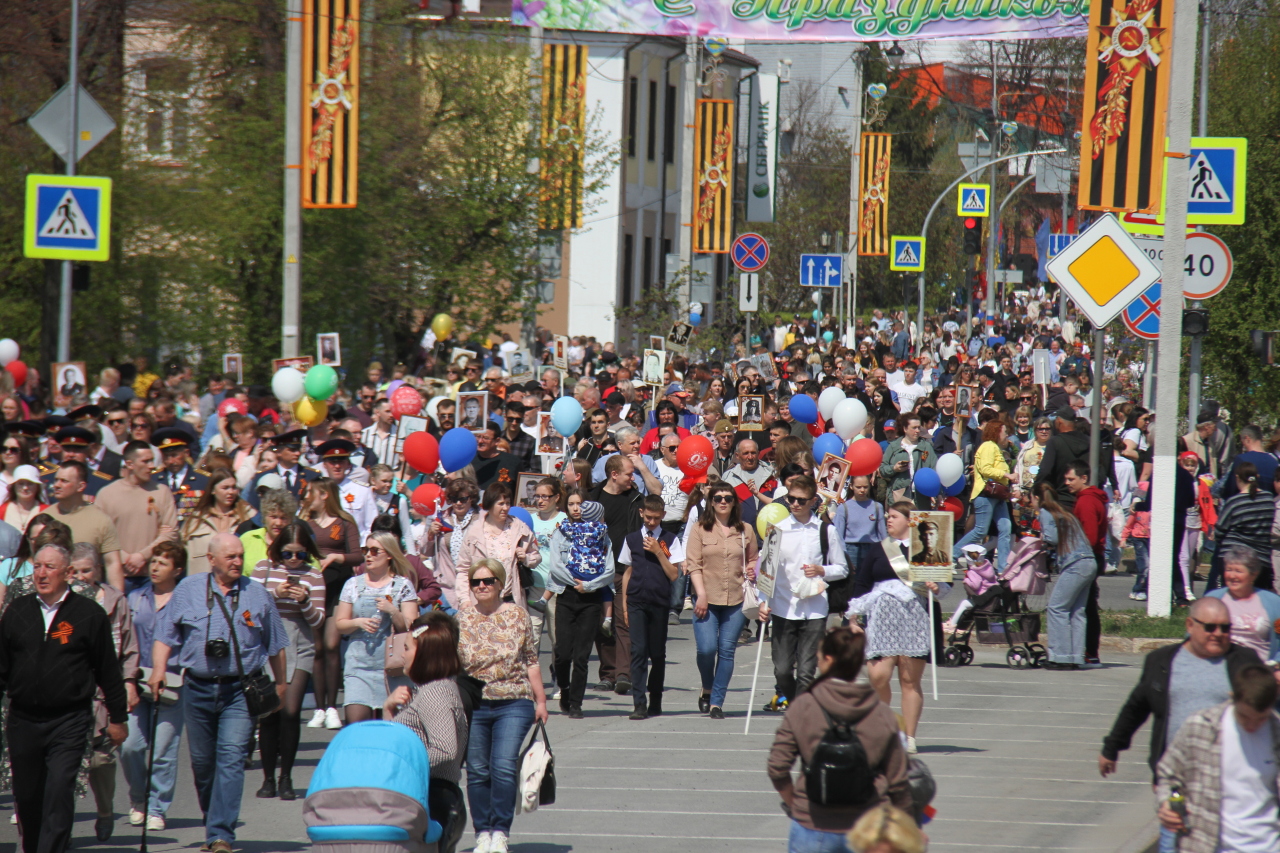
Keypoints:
(720, 559)
(291, 574)
(371, 607)
(14, 454)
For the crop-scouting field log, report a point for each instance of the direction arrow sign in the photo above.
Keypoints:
(68, 218)
(973, 200)
(750, 252)
(1058, 242)
(1103, 270)
(1142, 317)
(906, 254)
(749, 291)
(821, 270)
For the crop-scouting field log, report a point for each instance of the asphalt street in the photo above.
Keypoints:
(1014, 753)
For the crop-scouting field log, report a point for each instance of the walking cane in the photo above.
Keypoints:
(151, 758)
(751, 697)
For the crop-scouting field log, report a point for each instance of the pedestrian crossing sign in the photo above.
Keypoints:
(68, 218)
(906, 254)
(1216, 189)
(973, 200)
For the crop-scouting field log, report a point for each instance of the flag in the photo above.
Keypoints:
(564, 128)
(1127, 68)
(713, 176)
(873, 192)
(330, 102)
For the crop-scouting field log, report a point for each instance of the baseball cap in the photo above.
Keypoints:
(270, 480)
(1205, 418)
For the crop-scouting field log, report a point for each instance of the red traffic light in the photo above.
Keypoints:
(970, 222)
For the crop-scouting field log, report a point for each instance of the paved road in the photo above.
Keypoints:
(1014, 753)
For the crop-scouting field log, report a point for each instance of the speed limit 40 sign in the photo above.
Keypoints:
(1207, 266)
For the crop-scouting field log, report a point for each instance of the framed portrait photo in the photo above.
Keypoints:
(967, 397)
(520, 365)
(657, 342)
(460, 357)
(678, 337)
(298, 362)
(473, 410)
(408, 425)
(70, 379)
(328, 350)
(560, 352)
(526, 485)
(653, 368)
(751, 413)
(233, 365)
(764, 364)
(833, 471)
(932, 535)
(550, 442)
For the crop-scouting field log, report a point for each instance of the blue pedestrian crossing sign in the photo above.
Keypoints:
(821, 270)
(1216, 187)
(973, 200)
(68, 218)
(906, 254)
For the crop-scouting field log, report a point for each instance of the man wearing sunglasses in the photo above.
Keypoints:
(1177, 682)
(288, 448)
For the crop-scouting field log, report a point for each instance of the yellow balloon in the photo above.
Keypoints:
(442, 325)
(770, 515)
(310, 412)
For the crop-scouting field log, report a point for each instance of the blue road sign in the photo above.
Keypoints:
(821, 270)
(750, 252)
(1059, 242)
(906, 254)
(1142, 317)
(68, 218)
(1217, 180)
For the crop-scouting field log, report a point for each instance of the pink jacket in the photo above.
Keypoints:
(514, 546)
(980, 577)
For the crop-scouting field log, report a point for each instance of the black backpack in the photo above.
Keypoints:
(839, 774)
(839, 593)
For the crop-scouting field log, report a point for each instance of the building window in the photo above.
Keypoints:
(646, 264)
(633, 91)
(651, 132)
(167, 94)
(628, 274)
(669, 126)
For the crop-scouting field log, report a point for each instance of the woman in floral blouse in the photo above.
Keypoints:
(499, 537)
(497, 647)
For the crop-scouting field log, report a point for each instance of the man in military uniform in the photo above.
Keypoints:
(186, 482)
(288, 448)
(356, 498)
(75, 443)
(100, 458)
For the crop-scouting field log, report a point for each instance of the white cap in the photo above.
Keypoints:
(270, 480)
(27, 472)
(974, 548)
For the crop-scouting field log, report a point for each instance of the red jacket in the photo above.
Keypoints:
(1091, 512)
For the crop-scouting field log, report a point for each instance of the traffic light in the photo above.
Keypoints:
(1195, 321)
(972, 236)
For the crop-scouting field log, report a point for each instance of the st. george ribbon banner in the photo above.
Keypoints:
(813, 20)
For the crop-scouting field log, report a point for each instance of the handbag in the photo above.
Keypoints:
(393, 657)
(169, 694)
(537, 771)
(995, 491)
(750, 598)
(260, 695)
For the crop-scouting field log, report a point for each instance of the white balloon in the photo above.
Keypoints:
(849, 417)
(817, 297)
(829, 399)
(950, 469)
(289, 385)
(8, 351)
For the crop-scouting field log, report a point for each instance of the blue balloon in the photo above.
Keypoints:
(522, 514)
(457, 449)
(695, 319)
(804, 409)
(956, 488)
(566, 416)
(927, 482)
(826, 443)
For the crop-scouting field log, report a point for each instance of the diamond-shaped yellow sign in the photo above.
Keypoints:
(1103, 270)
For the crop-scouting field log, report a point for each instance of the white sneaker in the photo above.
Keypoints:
(498, 843)
(155, 823)
(13, 818)
(556, 695)
(136, 817)
(911, 745)
(482, 843)
(331, 720)
(317, 719)
(1139, 596)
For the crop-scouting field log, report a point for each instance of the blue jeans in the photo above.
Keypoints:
(218, 732)
(1141, 554)
(1066, 611)
(801, 839)
(498, 730)
(984, 510)
(1168, 841)
(164, 771)
(855, 553)
(716, 635)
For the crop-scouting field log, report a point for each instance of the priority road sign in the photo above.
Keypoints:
(1142, 317)
(68, 218)
(1103, 270)
(749, 291)
(821, 270)
(750, 252)
(973, 200)
(906, 254)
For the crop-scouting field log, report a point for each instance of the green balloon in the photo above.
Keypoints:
(771, 514)
(321, 382)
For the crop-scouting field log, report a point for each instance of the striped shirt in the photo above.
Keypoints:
(310, 609)
(383, 446)
(1246, 520)
(436, 714)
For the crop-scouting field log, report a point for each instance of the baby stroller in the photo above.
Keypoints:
(369, 793)
(1005, 617)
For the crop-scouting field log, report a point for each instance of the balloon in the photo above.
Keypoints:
(424, 498)
(826, 443)
(457, 449)
(956, 488)
(804, 409)
(422, 452)
(695, 319)
(768, 515)
(566, 416)
(950, 468)
(405, 400)
(18, 370)
(864, 457)
(817, 314)
(522, 514)
(8, 351)
(694, 455)
(828, 336)
(309, 412)
(321, 382)
(442, 326)
(926, 482)
(953, 506)
(849, 417)
(817, 297)
(829, 399)
(231, 404)
(289, 385)
(687, 484)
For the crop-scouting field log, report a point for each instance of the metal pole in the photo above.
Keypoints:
(529, 326)
(993, 225)
(1149, 376)
(687, 173)
(73, 149)
(855, 181)
(1164, 451)
(290, 313)
(1095, 429)
(1195, 377)
(1202, 128)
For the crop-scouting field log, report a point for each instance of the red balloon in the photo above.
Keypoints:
(422, 452)
(864, 457)
(953, 506)
(688, 483)
(18, 371)
(694, 455)
(424, 498)
(405, 401)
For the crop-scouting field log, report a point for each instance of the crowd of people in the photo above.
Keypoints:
(184, 566)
